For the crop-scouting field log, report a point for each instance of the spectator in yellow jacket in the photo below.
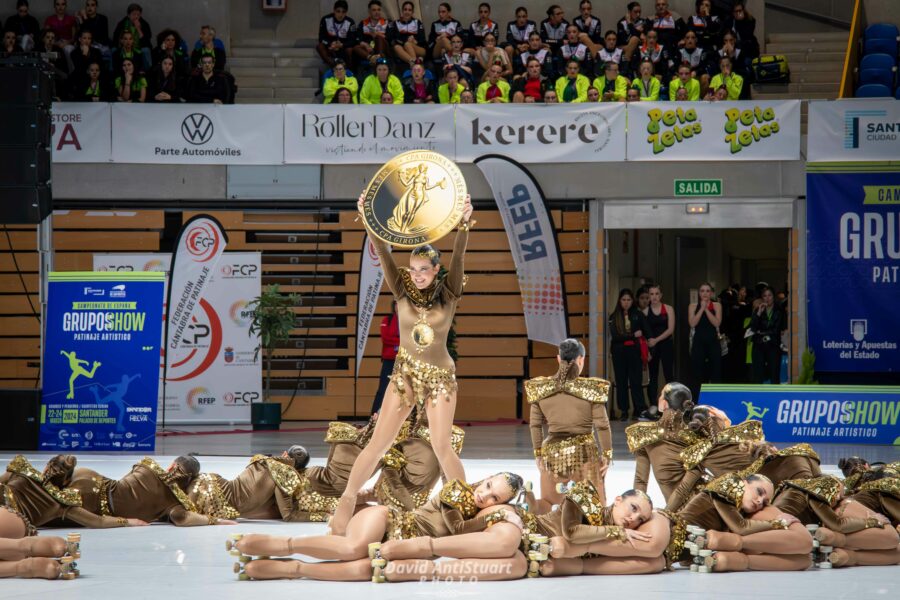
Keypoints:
(339, 79)
(733, 82)
(495, 88)
(573, 86)
(381, 81)
(685, 81)
(451, 90)
(647, 84)
(612, 86)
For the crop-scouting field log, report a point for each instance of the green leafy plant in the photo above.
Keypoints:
(273, 319)
(807, 368)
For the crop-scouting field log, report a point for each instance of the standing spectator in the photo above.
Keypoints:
(660, 322)
(25, 26)
(518, 32)
(610, 52)
(168, 45)
(344, 96)
(371, 36)
(339, 79)
(593, 94)
(494, 89)
(533, 85)
(335, 34)
(744, 26)
(484, 25)
(164, 85)
(489, 54)
(467, 97)
(612, 86)
(643, 299)
(706, 25)
(459, 57)
(60, 66)
(535, 51)
(732, 82)
(93, 86)
(767, 323)
(626, 325)
(701, 62)
(705, 317)
(451, 90)
(653, 51)
(417, 89)
(631, 30)
(685, 83)
(573, 49)
(10, 44)
(207, 86)
(131, 86)
(82, 56)
(140, 31)
(90, 20)
(127, 50)
(61, 24)
(406, 36)
(668, 25)
(553, 28)
(550, 97)
(442, 31)
(379, 82)
(208, 48)
(647, 84)
(591, 34)
(573, 86)
(390, 345)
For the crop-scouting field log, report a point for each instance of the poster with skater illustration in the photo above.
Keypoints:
(101, 361)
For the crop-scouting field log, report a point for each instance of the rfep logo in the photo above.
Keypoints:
(198, 397)
(154, 265)
(202, 241)
(197, 129)
(240, 314)
(746, 127)
(681, 125)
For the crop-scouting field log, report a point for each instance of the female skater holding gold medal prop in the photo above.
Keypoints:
(424, 374)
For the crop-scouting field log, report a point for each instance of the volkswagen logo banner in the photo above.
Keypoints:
(197, 129)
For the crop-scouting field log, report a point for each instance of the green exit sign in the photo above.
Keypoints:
(698, 187)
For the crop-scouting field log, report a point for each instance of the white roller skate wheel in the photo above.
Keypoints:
(816, 544)
(812, 528)
(705, 552)
(826, 549)
(703, 569)
(825, 565)
(695, 568)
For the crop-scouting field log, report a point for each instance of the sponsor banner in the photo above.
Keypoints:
(813, 413)
(531, 133)
(81, 132)
(532, 240)
(364, 133)
(222, 391)
(747, 130)
(370, 279)
(854, 130)
(100, 361)
(197, 134)
(853, 270)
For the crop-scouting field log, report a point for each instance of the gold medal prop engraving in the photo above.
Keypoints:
(422, 333)
(415, 198)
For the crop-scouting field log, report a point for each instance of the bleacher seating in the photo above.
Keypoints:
(877, 73)
(873, 90)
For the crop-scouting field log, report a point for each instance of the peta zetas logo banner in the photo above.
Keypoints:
(714, 130)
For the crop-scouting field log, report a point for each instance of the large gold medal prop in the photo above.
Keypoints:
(414, 199)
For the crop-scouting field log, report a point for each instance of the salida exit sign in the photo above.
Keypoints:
(698, 187)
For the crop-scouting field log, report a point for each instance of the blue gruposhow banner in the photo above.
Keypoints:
(101, 361)
(853, 269)
(845, 414)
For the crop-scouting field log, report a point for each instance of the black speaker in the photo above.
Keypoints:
(265, 416)
(21, 421)
(25, 205)
(24, 165)
(25, 125)
(25, 79)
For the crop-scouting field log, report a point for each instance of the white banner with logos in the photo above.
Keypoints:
(743, 130)
(364, 133)
(539, 133)
(860, 129)
(197, 134)
(218, 378)
(81, 132)
(532, 240)
(370, 279)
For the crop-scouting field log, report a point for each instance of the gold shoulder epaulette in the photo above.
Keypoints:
(591, 389)
(643, 434)
(459, 495)
(748, 431)
(341, 432)
(825, 488)
(538, 388)
(886, 485)
(179, 494)
(19, 465)
(285, 476)
(729, 487)
(802, 449)
(585, 496)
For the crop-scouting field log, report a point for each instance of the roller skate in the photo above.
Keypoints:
(822, 557)
(230, 546)
(68, 569)
(538, 552)
(525, 498)
(695, 544)
(379, 563)
(815, 544)
(73, 545)
(563, 488)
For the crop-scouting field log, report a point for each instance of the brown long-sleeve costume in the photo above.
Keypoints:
(572, 410)
(813, 501)
(451, 512)
(37, 502)
(881, 496)
(717, 507)
(148, 492)
(799, 461)
(423, 367)
(580, 518)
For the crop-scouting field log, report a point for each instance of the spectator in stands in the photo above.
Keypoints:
(131, 86)
(406, 36)
(339, 80)
(381, 81)
(533, 85)
(590, 32)
(442, 31)
(744, 26)
(164, 84)
(631, 30)
(482, 26)
(82, 56)
(390, 345)
(610, 52)
(573, 49)
(553, 28)
(733, 82)
(459, 57)
(371, 36)
(90, 20)
(208, 86)
(140, 31)
(10, 43)
(467, 97)
(681, 94)
(573, 86)
(647, 86)
(169, 45)
(706, 25)
(685, 81)
(61, 24)
(489, 54)
(653, 51)
(494, 89)
(633, 95)
(535, 51)
(731, 47)
(387, 98)
(335, 34)
(93, 87)
(451, 90)
(668, 25)
(612, 86)
(128, 50)
(517, 34)
(417, 89)
(593, 94)
(59, 64)
(550, 97)
(344, 96)
(208, 48)
(701, 61)
(25, 26)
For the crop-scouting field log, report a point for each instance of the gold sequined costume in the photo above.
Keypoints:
(718, 507)
(451, 512)
(815, 501)
(724, 451)
(580, 518)
(881, 496)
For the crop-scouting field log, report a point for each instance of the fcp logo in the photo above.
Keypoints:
(197, 129)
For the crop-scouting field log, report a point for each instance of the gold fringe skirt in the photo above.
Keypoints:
(423, 380)
(210, 499)
(9, 502)
(401, 525)
(677, 537)
(565, 458)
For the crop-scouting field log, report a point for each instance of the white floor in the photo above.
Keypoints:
(162, 561)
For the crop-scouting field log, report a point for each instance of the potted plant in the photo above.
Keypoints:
(273, 319)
